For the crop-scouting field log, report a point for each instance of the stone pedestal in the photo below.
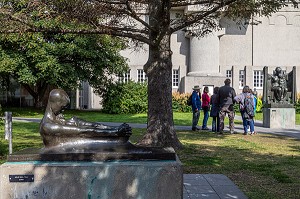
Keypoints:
(279, 118)
(117, 179)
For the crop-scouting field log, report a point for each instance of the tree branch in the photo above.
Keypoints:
(119, 33)
(133, 14)
(190, 3)
(199, 16)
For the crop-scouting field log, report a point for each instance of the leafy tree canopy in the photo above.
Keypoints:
(125, 18)
(41, 59)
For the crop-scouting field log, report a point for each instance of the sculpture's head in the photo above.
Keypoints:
(58, 100)
(278, 70)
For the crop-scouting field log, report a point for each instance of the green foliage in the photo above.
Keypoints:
(297, 107)
(246, 9)
(59, 59)
(236, 108)
(259, 105)
(128, 97)
(297, 104)
(62, 60)
(132, 98)
(179, 102)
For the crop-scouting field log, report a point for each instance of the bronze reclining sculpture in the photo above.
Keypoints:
(57, 131)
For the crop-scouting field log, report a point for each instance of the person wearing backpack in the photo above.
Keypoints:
(246, 101)
(196, 106)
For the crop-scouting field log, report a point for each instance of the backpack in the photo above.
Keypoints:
(189, 101)
(249, 105)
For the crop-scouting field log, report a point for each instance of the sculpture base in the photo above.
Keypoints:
(93, 152)
(111, 179)
(279, 118)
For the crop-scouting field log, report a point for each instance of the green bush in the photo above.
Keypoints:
(259, 105)
(125, 98)
(236, 108)
(297, 104)
(132, 97)
(179, 102)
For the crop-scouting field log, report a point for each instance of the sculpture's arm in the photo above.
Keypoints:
(269, 76)
(54, 128)
(83, 123)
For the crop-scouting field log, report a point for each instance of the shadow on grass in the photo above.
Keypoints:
(263, 166)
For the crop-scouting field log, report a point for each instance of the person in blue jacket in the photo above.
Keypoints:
(196, 106)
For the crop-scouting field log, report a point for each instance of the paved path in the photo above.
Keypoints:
(208, 186)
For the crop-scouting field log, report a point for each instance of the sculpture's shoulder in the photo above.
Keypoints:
(48, 125)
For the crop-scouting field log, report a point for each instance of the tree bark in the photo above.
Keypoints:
(160, 131)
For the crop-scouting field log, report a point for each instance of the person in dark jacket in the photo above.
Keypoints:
(226, 96)
(196, 106)
(214, 112)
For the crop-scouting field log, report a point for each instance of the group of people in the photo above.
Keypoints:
(220, 104)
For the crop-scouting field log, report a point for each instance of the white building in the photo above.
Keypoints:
(236, 51)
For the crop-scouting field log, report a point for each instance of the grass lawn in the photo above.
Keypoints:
(263, 166)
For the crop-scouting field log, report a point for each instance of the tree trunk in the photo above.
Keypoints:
(38, 94)
(160, 130)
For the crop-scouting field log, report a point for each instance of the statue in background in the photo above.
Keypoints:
(279, 88)
(279, 84)
(57, 131)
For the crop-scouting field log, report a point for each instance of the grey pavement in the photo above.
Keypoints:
(209, 186)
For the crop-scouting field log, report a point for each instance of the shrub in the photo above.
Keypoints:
(132, 97)
(179, 102)
(259, 105)
(236, 108)
(125, 98)
(297, 104)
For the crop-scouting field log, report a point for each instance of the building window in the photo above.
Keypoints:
(241, 78)
(175, 78)
(258, 79)
(124, 77)
(229, 73)
(141, 76)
